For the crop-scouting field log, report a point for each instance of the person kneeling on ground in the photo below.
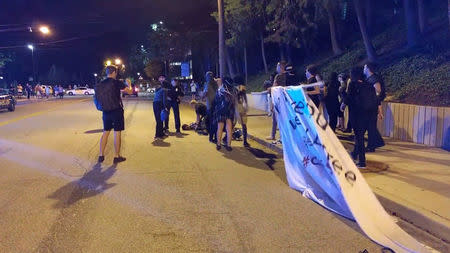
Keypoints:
(201, 112)
(108, 100)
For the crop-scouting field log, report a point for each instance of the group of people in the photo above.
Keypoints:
(362, 92)
(226, 103)
(38, 91)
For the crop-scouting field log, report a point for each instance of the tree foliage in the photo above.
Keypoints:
(5, 58)
(154, 68)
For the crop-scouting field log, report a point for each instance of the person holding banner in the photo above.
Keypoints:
(311, 76)
(280, 80)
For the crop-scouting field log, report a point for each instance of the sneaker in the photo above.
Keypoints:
(246, 144)
(178, 131)
(101, 159)
(218, 147)
(119, 159)
(228, 148)
(361, 166)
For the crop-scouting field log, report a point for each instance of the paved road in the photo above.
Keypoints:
(181, 196)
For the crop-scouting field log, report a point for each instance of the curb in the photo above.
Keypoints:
(403, 212)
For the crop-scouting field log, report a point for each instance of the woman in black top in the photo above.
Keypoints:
(331, 99)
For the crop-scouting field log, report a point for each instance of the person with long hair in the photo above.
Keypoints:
(242, 107)
(224, 112)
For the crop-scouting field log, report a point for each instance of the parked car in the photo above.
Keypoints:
(80, 91)
(7, 100)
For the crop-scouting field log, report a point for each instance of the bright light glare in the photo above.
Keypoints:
(118, 61)
(31, 47)
(108, 63)
(44, 29)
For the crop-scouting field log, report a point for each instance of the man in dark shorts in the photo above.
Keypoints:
(107, 96)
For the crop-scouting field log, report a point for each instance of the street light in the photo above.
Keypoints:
(138, 74)
(118, 61)
(31, 47)
(108, 63)
(95, 78)
(44, 30)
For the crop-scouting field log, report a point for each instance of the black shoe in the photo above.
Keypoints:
(361, 166)
(119, 159)
(370, 150)
(178, 131)
(218, 147)
(101, 159)
(246, 144)
(228, 148)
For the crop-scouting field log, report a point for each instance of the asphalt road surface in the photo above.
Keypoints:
(178, 196)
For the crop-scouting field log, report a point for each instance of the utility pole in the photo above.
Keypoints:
(221, 39)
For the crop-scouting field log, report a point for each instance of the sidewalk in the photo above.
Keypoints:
(411, 181)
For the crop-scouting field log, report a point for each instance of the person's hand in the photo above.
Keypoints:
(380, 116)
(343, 107)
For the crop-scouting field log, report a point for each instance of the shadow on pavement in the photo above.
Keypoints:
(93, 182)
(241, 155)
(161, 143)
(96, 131)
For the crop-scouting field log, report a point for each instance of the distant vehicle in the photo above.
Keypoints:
(7, 101)
(130, 91)
(80, 91)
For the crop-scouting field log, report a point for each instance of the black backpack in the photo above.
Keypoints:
(105, 98)
(367, 97)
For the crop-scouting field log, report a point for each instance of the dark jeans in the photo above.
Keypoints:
(176, 114)
(211, 126)
(375, 139)
(157, 108)
(361, 124)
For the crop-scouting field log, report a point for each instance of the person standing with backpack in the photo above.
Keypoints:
(107, 99)
(375, 139)
(363, 98)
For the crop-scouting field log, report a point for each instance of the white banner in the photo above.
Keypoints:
(319, 166)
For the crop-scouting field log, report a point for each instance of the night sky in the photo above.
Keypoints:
(91, 30)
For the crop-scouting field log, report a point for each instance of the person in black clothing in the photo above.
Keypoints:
(362, 97)
(28, 89)
(108, 100)
(332, 99)
(175, 94)
(166, 86)
(201, 112)
(291, 77)
(375, 139)
(313, 92)
(159, 104)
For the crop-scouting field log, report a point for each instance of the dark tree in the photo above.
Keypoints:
(411, 22)
(370, 50)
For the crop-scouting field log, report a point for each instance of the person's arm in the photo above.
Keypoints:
(377, 87)
(316, 91)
